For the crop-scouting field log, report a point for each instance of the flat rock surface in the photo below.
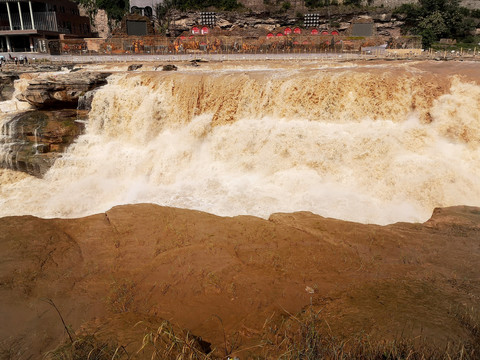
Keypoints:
(61, 90)
(219, 276)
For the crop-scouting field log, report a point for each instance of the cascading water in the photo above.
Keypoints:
(9, 145)
(369, 144)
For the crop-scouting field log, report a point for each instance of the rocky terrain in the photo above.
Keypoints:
(33, 140)
(337, 18)
(239, 283)
(62, 90)
(6, 85)
(300, 4)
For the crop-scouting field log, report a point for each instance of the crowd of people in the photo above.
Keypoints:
(20, 60)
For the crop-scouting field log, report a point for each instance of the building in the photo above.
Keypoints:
(144, 7)
(26, 25)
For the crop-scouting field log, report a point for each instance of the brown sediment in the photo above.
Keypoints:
(210, 275)
(336, 94)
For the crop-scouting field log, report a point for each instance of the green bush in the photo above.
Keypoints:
(353, 2)
(436, 19)
(286, 6)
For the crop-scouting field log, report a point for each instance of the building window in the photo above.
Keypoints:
(148, 11)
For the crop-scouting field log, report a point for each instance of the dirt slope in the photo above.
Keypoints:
(107, 272)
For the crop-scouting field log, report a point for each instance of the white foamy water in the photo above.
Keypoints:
(362, 146)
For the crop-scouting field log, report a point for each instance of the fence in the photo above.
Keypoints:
(205, 44)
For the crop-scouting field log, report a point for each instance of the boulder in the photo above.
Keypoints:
(224, 24)
(382, 17)
(61, 91)
(134, 67)
(169, 67)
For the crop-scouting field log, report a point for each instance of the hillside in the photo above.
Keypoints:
(299, 5)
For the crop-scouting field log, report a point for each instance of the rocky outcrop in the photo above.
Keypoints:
(32, 141)
(111, 274)
(85, 100)
(299, 5)
(134, 67)
(259, 23)
(61, 91)
(169, 67)
(6, 85)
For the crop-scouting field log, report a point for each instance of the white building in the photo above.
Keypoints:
(144, 7)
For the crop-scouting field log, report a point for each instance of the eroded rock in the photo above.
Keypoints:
(85, 100)
(134, 67)
(7, 85)
(32, 141)
(169, 67)
(61, 91)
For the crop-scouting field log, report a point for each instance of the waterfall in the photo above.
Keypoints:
(363, 143)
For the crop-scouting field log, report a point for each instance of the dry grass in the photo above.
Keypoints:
(121, 297)
(305, 336)
(87, 348)
(170, 342)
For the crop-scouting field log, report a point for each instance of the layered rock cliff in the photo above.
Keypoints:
(33, 140)
(61, 91)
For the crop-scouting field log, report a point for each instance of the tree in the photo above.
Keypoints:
(164, 13)
(353, 2)
(436, 19)
(115, 8)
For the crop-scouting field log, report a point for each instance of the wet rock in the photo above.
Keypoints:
(6, 85)
(134, 67)
(61, 91)
(169, 67)
(32, 141)
(85, 100)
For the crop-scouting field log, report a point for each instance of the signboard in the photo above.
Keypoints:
(205, 30)
(287, 31)
(136, 28)
(195, 30)
(362, 29)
